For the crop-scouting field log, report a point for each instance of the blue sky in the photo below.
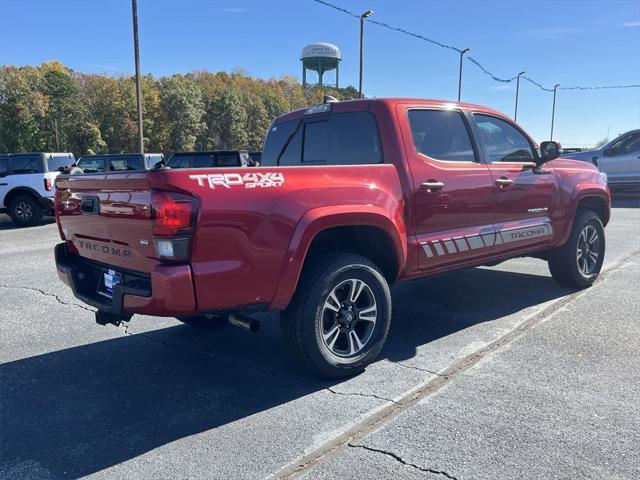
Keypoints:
(574, 43)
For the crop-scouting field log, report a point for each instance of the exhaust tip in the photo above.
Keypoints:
(246, 323)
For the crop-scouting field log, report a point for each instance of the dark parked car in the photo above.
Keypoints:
(221, 158)
(117, 162)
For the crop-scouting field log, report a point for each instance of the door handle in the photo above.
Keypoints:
(504, 182)
(431, 186)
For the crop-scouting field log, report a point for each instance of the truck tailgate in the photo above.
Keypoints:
(107, 218)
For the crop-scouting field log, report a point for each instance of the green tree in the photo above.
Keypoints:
(85, 139)
(183, 110)
(63, 96)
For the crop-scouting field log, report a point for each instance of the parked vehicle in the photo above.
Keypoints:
(350, 197)
(27, 184)
(117, 162)
(223, 158)
(619, 159)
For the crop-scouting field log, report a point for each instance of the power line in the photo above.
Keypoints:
(471, 59)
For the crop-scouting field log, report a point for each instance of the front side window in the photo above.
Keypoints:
(625, 145)
(441, 135)
(23, 164)
(502, 141)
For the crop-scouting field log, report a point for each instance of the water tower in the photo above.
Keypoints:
(320, 58)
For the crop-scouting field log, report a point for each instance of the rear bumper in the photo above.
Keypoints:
(167, 291)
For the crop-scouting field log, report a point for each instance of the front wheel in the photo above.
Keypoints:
(339, 317)
(578, 262)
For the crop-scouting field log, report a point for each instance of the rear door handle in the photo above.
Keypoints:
(504, 182)
(431, 185)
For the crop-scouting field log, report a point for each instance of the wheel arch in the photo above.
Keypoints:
(366, 230)
(14, 192)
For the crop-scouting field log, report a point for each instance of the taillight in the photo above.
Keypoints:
(47, 184)
(174, 218)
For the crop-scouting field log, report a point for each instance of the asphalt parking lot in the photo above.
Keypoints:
(487, 373)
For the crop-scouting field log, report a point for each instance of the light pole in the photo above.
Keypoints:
(366, 14)
(515, 115)
(553, 110)
(462, 52)
(136, 54)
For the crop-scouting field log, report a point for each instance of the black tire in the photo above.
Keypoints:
(204, 321)
(567, 263)
(311, 312)
(25, 211)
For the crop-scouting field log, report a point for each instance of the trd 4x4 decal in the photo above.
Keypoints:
(249, 180)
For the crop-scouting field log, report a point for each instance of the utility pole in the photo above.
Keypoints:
(136, 53)
(515, 115)
(366, 14)
(462, 52)
(553, 110)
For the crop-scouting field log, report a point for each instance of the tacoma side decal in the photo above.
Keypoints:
(463, 243)
(249, 180)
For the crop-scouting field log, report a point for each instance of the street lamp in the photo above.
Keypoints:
(136, 54)
(462, 52)
(553, 110)
(366, 14)
(515, 115)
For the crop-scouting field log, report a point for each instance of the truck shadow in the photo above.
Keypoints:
(80, 410)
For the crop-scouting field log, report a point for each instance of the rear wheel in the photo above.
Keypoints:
(204, 321)
(578, 262)
(25, 211)
(339, 317)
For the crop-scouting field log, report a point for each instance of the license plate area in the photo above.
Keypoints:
(108, 280)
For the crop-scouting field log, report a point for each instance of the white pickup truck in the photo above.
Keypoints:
(27, 184)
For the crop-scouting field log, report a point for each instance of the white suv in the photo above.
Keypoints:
(27, 184)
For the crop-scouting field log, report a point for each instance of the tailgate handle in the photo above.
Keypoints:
(90, 205)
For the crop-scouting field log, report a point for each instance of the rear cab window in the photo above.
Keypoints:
(121, 164)
(343, 138)
(91, 164)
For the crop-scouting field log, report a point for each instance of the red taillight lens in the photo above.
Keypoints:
(47, 184)
(173, 213)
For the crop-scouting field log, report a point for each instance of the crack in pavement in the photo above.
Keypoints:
(357, 394)
(47, 294)
(452, 372)
(402, 461)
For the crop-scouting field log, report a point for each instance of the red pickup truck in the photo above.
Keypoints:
(349, 198)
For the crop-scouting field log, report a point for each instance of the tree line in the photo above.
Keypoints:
(53, 108)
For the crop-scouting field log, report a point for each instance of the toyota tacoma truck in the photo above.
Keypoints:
(349, 198)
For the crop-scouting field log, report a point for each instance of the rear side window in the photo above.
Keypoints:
(502, 141)
(56, 162)
(92, 165)
(4, 165)
(441, 135)
(23, 164)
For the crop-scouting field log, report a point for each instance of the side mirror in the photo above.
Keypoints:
(550, 150)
